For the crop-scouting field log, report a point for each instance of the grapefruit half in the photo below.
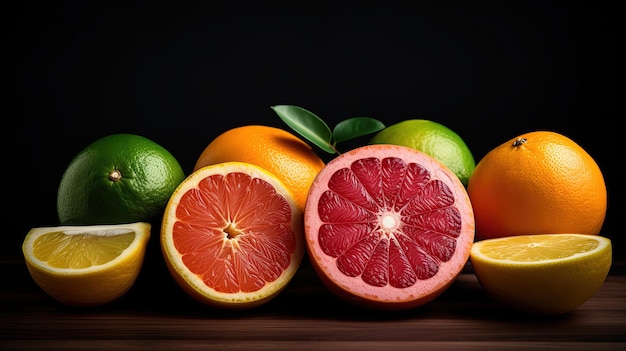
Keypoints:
(388, 227)
(232, 235)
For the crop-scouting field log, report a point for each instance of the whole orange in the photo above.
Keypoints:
(276, 150)
(540, 182)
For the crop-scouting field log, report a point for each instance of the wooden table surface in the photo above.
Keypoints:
(156, 315)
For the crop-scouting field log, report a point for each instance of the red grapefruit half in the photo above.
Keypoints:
(388, 227)
(232, 235)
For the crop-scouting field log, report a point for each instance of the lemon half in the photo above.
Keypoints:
(86, 265)
(546, 274)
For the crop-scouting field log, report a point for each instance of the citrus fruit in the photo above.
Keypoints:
(291, 159)
(433, 138)
(387, 226)
(86, 265)
(120, 178)
(232, 235)
(540, 182)
(546, 274)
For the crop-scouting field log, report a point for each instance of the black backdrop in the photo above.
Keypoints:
(182, 73)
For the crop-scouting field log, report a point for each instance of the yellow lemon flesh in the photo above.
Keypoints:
(545, 274)
(86, 265)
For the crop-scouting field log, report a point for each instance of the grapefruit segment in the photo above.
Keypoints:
(232, 235)
(388, 226)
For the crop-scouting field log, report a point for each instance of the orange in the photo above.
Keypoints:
(388, 227)
(120, 178)
(540, 182)
(232, 235)
(292, 160)
(86, 265)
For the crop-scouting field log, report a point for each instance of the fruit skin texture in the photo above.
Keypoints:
(96, 285)
(544, 288)
(292, 160)
(433, 139)
(206, 226)
(149, 174)
(547, 184)
(354, 290)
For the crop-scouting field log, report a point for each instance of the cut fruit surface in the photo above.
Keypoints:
(86, 265)
(544, 274)
(232, 235)
(388, 226)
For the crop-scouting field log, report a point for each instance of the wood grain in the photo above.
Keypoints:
(156, 314)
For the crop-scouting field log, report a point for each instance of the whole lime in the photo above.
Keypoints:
(434, 139)
(120, 178)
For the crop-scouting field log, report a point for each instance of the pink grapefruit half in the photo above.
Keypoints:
(388, 227)
(232, 235)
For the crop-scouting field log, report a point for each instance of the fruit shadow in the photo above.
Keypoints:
(156, 293)
(307, 298)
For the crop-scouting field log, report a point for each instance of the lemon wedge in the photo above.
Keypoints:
(86, 265)
(545, 274)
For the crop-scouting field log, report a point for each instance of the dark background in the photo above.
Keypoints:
(180, 74)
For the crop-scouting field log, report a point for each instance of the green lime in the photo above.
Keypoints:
(434, 139)
(120, 178)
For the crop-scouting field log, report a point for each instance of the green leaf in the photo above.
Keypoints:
(308, 125)
(355, 127)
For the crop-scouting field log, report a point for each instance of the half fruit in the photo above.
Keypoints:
(232, 235)
(545, 274)
(86, 265)
(388, 226)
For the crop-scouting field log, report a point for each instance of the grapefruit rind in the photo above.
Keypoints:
(355, 290)
(192, 283)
